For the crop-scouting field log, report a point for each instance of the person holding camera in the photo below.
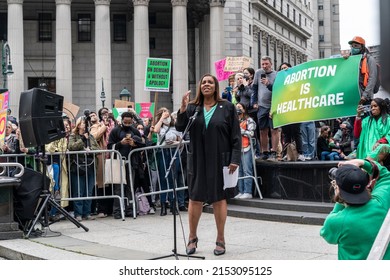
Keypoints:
(362, 195)
(372, 130)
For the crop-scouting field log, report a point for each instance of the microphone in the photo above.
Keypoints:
(197, 110)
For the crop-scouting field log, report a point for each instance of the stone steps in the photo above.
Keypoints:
(278, 210)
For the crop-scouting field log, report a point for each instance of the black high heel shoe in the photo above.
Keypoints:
(220, 252)
(191, 251)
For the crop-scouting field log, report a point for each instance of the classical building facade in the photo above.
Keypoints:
(77, 46)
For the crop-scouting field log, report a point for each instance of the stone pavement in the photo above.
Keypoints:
(152, 236)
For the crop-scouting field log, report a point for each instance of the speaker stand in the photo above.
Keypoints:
(48, 199)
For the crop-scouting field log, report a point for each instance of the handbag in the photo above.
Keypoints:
(82, 163)
(112, 170)
(292, 153)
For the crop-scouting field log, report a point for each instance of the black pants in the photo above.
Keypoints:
(292, 132)
(105, 205)
(127, 194)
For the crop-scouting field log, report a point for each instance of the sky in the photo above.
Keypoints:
(359, 18)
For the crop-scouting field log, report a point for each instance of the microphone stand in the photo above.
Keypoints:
(174, 157)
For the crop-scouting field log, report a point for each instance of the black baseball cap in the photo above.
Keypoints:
(352, 182)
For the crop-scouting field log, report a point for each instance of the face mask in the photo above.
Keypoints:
(126, 127)
(167, 121)
(355, 51)
(141, 132)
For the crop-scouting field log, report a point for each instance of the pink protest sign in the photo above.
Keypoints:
(221, 74)
(145, 110)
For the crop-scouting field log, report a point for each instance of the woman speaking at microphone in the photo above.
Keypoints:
(215, 142)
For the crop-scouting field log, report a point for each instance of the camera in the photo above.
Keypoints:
(263, 75)
(367, 108)
(246, 77)
(86, 114)
(332, 173)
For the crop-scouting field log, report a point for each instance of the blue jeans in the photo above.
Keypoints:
(330, 155)
(56, 178)
(308, 131)
(246, 169)
(163, 161)
(82, 186)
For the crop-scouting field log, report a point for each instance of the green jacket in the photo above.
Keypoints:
(354, 228)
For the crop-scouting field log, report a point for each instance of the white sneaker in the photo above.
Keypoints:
(151, 211)
(239, 195)
(246, 196)
(301, 158)
(308, 158)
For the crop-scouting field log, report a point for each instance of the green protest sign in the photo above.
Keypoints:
(316, 90)
(157, 74)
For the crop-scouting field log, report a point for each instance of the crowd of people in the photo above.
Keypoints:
(228, 127)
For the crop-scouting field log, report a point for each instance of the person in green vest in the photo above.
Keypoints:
(362, 196)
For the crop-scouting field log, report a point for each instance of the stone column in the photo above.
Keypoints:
(141, 49)
(179, 51)
(64, 49)
(16, 43)
(102, 51)
(217, 41)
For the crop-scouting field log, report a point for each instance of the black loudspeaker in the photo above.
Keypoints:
(385, 44)
(40, 117)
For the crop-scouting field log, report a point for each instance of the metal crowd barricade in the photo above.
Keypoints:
(254, 176)
(151, 165)
(68, 159)
(151, 161)
(6, 166)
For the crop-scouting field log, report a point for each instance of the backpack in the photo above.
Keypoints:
(143, 206)
(365, 73)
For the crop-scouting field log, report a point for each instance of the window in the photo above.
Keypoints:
(84, 27)
(45, 27)
(274, 4)
(3, 27)
(300, 19)
(320, 7)
(322, 54)
(321, 38)
(119, 28)
(281, 6)
(293, 15)
(152, 19)
(152, 43)
(288, 11)
(36, 82)
(250, 29)
(321, 23)
(249, 6)
(250, 51)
